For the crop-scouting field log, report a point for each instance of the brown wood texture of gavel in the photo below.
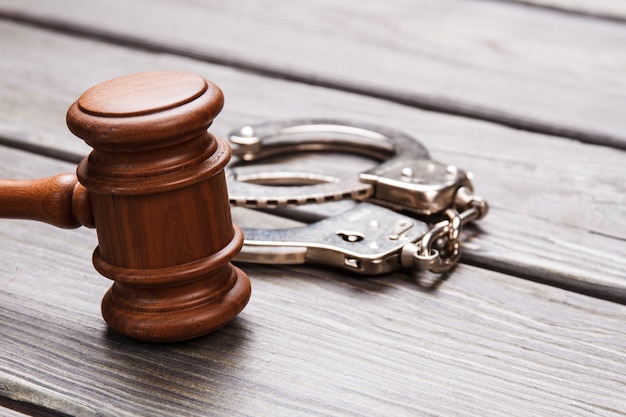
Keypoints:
(155, 190)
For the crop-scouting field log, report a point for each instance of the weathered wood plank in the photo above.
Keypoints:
(520, 66)
(311, 341)
(559, 213)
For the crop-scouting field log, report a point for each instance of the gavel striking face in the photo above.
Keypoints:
(154, 188)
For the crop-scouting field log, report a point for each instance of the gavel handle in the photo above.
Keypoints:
(59, 200)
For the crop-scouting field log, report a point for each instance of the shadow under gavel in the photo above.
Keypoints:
(155, 190)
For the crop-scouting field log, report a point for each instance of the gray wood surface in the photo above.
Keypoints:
(489, 340)
(501, 61)
(558, 215)
(311, 342)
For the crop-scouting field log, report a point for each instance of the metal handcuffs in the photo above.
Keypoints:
(411, 209)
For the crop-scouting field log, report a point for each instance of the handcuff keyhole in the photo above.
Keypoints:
(351, 237)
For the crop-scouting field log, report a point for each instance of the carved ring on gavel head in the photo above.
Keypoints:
(154, 188)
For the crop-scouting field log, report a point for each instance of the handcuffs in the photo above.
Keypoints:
(411, 209)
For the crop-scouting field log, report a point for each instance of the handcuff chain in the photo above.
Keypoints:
(439, 250)
(440, 247)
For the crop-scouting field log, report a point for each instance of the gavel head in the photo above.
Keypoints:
(157, 187)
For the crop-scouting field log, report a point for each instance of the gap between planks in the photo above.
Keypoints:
(544, 271)
(505, 155)
(308, 337)
(586, 9)
(13, 408)
(412, 99)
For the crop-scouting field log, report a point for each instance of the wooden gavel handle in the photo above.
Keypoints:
(59, 200)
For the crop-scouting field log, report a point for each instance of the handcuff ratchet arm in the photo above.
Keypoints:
(367, 239)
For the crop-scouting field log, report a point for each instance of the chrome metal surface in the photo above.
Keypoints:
(366, 247)
(372, 238)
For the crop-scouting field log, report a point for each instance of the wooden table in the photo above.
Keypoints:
(528, 95)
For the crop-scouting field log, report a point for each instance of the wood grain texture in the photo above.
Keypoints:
(558, 212)
(160, 204)
(520, 66)
(315, 341)
(311, 342)
(46, 199)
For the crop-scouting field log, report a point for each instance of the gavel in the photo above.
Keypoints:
(154, 188)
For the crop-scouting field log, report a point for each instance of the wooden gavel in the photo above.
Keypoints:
(155, 190)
